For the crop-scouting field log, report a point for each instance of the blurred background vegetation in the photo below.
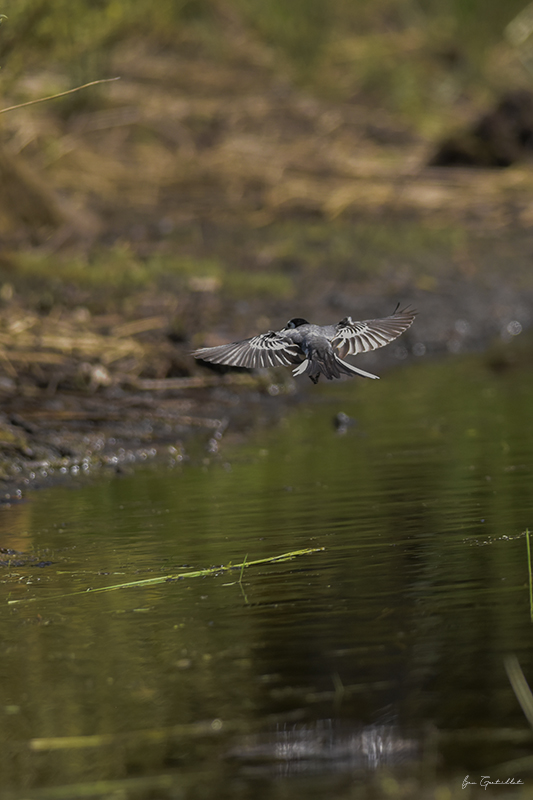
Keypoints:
(417, 57)
(247, 145)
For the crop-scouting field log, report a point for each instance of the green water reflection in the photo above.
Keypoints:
(404, 618)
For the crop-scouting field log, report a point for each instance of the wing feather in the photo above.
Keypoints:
(360, 337)
(266, 350)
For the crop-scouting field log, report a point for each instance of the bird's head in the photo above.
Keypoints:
(296, 322)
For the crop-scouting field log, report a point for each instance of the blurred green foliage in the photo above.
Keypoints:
(117, 273)
(416, 57)
(293, 250)
(364, 248)
(310, 35)
(299, 29)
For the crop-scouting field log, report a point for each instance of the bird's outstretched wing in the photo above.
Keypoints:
(266, 350)
(360, 337)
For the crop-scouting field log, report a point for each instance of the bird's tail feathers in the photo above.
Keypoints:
(331, 369)
(302, 368)
(349, 369)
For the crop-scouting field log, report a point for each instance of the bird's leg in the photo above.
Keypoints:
(315, 378)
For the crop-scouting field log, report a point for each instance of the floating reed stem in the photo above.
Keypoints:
(201, 573)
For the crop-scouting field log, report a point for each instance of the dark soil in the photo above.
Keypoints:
(501, 137)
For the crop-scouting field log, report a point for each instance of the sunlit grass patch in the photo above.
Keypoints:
(267, 283)
(364, 248)
(118, 267)
(120, 271)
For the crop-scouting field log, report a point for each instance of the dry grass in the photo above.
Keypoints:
(191, 133)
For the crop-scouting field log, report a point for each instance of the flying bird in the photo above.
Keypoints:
(315, 350)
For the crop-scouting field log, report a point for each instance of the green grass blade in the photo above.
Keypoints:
(180, 576)
(528, 545)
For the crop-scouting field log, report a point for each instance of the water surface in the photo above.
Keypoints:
(334, 664)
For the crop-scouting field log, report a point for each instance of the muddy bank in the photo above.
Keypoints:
(72, 436)
(69, 408)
